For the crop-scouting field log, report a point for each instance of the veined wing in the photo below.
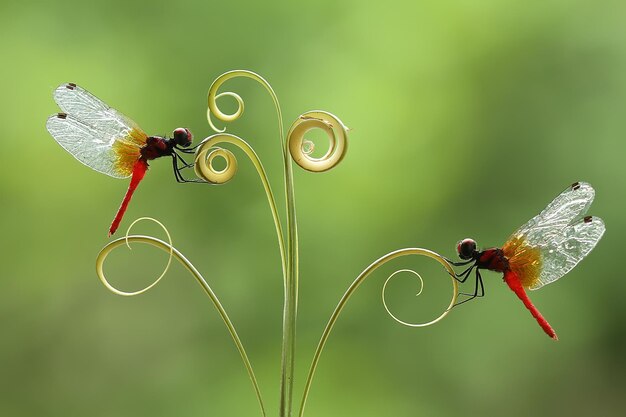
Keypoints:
(91, 111)
(568, 206)
(555, 241)
(109, 151)
(95, 134)
(77, 101)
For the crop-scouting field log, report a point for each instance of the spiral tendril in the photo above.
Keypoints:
(207, 150)
(224, 116)
(308, 147)
(205, 169)
(301, 148)
(425, 324)
(213, 96)
(295, 146)
(105, 252)
(289, 252)
(174, 253)
(352, 288)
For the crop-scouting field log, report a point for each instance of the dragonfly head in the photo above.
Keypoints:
(182, 137)
(466, 249)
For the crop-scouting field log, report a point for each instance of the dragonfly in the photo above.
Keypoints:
(541, 251)
(109, 142)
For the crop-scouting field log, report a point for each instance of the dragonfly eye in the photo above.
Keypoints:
(182, 137)
(466, 249)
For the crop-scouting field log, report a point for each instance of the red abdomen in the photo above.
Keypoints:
(139, 170)
(513, 281)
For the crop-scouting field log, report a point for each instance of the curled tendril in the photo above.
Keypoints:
(298, 148)
(213, 96)
(108, 248)
(308, 147)
(207, 150)
(352, 288)
(204, 168)
(425, 324)
(301, 148)
(174, 253)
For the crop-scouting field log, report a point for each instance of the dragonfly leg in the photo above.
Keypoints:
(462, 277)
(181, 159)
(479, 290)
(458, 263)
(187, 150)
(177, 173)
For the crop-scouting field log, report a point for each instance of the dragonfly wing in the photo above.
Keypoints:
(112, 153)
(91, 111)
(556, 240)
(77, 101)
(94, 133)
(563, 251)
(568, 206)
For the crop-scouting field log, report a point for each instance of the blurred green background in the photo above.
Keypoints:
(468, 117)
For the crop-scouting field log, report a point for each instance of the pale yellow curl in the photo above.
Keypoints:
(212, 107)
(301, 148)
(419, 277)
(205, 169)
(356, 283)
(114, 244)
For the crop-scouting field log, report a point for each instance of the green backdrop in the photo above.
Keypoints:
(467, 118)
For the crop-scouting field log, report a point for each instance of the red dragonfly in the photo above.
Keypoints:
(543, 250)
(109, 142)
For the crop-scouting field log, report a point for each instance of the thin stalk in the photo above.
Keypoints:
(205, 286)
(291, 297)
(290, 310)
(211, 142)
(290, 274)
(352, 288)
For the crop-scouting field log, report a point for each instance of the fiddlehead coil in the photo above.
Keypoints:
(204, 168)
(301, 148)
(213, 96)
(174, 253)
(352, 288)
(295, 147)
(126, 239)
(419, 277)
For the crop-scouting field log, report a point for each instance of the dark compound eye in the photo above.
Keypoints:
(466, 249)
(182, 137)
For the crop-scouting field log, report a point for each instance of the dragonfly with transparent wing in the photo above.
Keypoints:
(109, 142)
(541, 251)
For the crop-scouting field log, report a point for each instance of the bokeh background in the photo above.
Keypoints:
(467, 118)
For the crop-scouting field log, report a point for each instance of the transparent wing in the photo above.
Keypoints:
(91, 147)
(77, 101)
(552, 243)
(568, 206)
(91, 111)
(95, 134)
(566, 249)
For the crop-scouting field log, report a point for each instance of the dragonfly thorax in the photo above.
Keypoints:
(157, 147)
(492, 259)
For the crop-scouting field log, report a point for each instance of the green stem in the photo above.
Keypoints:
(205, 286)
(352, 288)
(291, 294)
(290, 274)
(212, 142)
(289, 264)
